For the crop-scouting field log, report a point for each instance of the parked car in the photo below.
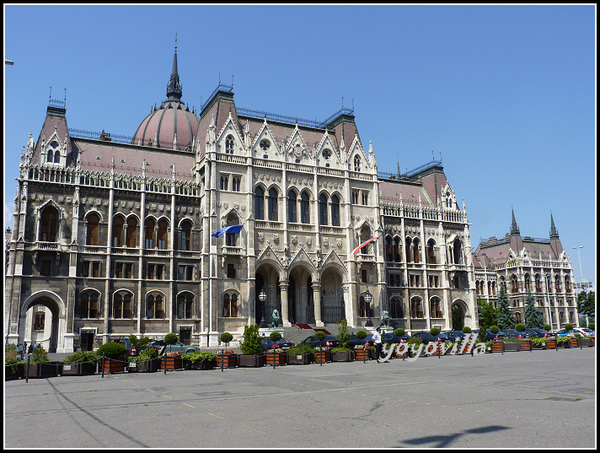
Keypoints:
(392, 338)
(537, 332)
(454, 335)
(177, 347)
(355, 341)
(427, 337)
(330, 341)
(493, 336)
(584, 331)
(282, 343)
(512, 333)
(567, 333)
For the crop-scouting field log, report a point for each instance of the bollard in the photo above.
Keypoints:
(102, 365)
(27, 369)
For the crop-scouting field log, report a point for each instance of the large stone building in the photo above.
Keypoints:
(114, 235)
(523, 266)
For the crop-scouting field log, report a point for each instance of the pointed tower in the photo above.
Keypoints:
(516, 243)
(555, 243)
(174, 87)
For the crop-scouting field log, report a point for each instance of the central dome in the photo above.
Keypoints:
(173, 125)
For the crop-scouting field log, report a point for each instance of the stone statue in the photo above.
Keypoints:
(385, 317)
(276, 318)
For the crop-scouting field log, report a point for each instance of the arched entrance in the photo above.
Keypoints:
(267, 279)
(332, 298)
(39, 322)
(459, 311)
(300, 296)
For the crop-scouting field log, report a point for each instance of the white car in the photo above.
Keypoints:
(584, 331)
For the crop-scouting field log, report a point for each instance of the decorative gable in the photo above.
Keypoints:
(230, 140)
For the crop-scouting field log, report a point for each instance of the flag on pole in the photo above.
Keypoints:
(363, 244)
(232, 229)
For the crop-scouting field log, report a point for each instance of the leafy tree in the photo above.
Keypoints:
(488, 316)
(533, 316)
(251, 343)
(506, 318)
(586, 303)
(343, 335)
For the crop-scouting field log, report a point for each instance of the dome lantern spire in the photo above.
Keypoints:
(174, 87)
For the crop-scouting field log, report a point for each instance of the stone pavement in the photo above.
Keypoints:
(539, 399)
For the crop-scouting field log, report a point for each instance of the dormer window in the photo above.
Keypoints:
(229, 145)
(356, 163)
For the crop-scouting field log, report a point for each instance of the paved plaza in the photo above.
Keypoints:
(539, 399)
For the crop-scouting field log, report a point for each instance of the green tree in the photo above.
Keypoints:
(586, 303)
(488, 316)
(506, 318)
(533, 316)
(251, 343)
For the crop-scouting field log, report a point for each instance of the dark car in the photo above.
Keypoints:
(282, 343)
(512, 333)
(494, 336)
(427, 337)
(177, 347)
(329, 341)
(392, 338)
(355, 341)
(454, 335)
(537, 332)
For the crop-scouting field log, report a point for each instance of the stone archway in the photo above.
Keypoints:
(42, 320)
(459, 310)
(300, 296)
(332, 299)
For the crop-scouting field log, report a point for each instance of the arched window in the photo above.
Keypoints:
(231, 239)
(186, 234)
(117, 232)
(149, 233)
(396, 308)
(92, 230)
(416, 251)
(416, 308)
(527, 283)
(273, 204)
(131, 232)
(154, 306)
(514, 284)
(162, 241)
(122, 305)
(305, 208)
(436, 308)
(407, 245)
(259, 203)
(57, 157)
(185, 302)
(431, 259)
(356, 163)
(229, 144)
(292, 200)
(457, 249)
(322, 210)
(230, 305)
(365, 235)
(335, 210)
(364, 308)
(88, 305)
(39, 321)
(389, 249)
(49, 224)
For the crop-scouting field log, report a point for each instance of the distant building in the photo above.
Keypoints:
(523, 266)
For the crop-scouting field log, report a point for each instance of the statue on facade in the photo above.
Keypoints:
(276, 318)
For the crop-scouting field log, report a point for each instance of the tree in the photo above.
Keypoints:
(506, 318)
(586, 303)
(488, 316)
(533, 317)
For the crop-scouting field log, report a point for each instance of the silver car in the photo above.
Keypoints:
(162, 347)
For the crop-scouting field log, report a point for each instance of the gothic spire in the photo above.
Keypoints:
(514, 228)
(553, 230)
(174, 87)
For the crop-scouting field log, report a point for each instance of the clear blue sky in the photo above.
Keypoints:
(504, 94)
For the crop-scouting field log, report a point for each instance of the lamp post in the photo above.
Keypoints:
(262, 296)
(548, 297)
(368, 298)
(582, 283)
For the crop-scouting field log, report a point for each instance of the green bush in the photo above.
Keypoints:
(416, 341)
(82, 356)
(251, 343)
(434, 330)
(300, 349)
(399, 331)
(112, 350)
(171, 338)
(198, 356)
(11, 354)
(546, 327)
(319, 335)
(494, 329)
(569, 326)
(226, 337)
(343, 335)
(592, 325)
(139, 343)
(40, 355)
(520, 327)
(275, 336)
(361, 334)
(466, 329)
(147, 354)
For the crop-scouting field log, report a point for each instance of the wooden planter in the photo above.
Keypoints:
(78, 369)
(111, 365)
(551, 344)
(174, 362)
(43, 370)
(251, 360)
(512, 346)
(362, 354)
(526, 345)
(276, 358)
(144, 366)
(497, 346)
(299, 359)
(322, 356)
(201, 365)
(342, 356)
(574, 342)
(14, 371)
(226, 360)
(589, 342)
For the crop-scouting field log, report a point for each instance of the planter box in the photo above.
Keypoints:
(201, 365)
(144, 366)
(362, 354)
(14, 371)
(44, 370)
(344, 356)
(497, 346)
(251, 360)
(574, 342)
(111, 365)
(589, 342)
(526, 345)
(322, 356)
(299, 359)
(512, 347)
(174, 362)
(276, 358)
(551, 344)
(226, 360)
(78, 369)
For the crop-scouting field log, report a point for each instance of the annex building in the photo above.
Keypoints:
(203, 222)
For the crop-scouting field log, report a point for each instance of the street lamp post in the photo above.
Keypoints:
(262, 296)
(368, 298)
(548, 297)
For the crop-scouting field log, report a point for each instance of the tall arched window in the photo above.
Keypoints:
(389, 250)
(131, 232)
(457, 249)
(431, 259)
(154, 306)
(416, 308)
(396, 308)
(122, 305)
(436, 307)
(259, 203)
(88, 305)
(117, 232)
(230, 305)
(186, 234)
(185, 302)
(397, 250)
(322, 209)
(335, 210)
(356, 163)
(416, 251)
(149, 233)
(229, 144)
(273, 204)
(162, 241)
(92, 229)
(49, 224)
(292, 199)
(39, 321)
(305, 208)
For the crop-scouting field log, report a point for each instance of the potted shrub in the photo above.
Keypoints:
(497, 345)
(251, 346)
(145, 362)
(226, 357)
(361, 351)
(275, 356)
(40, 365)
(112, 357)
(171, 360)
(299, 355)
(80, 363)
(199, 360)
(14, 368)
(321, 353)
(342, 353)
